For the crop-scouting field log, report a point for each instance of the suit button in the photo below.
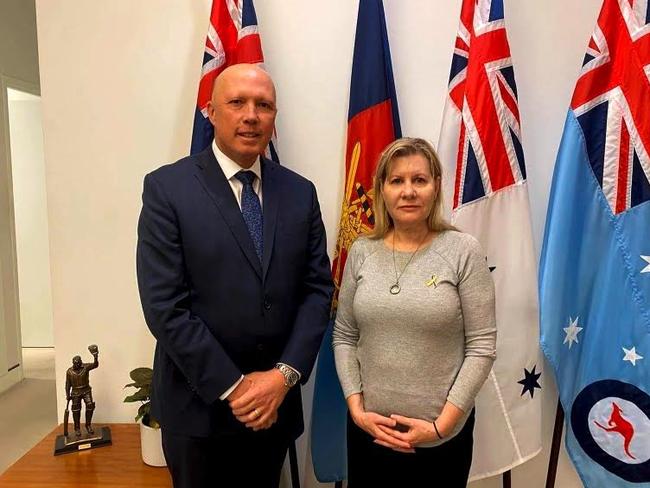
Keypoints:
(267, 305)
(260, 347)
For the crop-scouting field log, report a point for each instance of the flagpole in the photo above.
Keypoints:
(293, 465)
(555, 446)
(507, 479)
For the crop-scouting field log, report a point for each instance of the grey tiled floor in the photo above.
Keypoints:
(28, 409)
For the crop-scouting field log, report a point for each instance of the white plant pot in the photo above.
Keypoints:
(151, 446)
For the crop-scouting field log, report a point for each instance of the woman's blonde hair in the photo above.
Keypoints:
(406, 146)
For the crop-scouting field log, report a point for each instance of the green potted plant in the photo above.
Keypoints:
(150, 438)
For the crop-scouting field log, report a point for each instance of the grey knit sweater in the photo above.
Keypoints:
(433, 342)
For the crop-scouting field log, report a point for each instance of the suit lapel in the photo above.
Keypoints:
(214, 181)
(270, 205)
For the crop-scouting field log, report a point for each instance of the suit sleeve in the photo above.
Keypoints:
(314, 310)
(165, 297)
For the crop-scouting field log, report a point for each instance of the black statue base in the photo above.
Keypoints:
(72, 443)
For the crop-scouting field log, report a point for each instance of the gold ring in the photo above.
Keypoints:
(257, 413)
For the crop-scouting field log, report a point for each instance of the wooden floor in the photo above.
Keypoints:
(118, 465)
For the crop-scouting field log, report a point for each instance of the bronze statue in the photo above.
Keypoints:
(77, 388)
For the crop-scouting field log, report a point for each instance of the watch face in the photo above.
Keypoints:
(292, 378)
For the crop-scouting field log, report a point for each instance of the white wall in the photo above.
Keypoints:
(119, 84)
(30, 216)
(18, 65)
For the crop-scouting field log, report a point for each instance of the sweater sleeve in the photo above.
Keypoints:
(476, 292)
(345, 336)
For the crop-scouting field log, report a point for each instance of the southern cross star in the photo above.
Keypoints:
(631, 356)
(530, 382)
(572, 332)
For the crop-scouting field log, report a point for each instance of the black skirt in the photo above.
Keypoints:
(374, 466)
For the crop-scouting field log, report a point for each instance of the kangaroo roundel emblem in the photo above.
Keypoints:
(611, 421)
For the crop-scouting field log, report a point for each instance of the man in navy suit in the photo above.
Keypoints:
(235, 286)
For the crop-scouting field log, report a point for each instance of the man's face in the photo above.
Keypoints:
(243, 111)
(76, 362)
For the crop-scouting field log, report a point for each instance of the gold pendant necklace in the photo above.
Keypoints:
(396, 288)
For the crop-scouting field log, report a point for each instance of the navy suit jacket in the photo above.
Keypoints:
(214, 309)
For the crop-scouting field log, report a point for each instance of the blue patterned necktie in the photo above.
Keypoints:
(252, 210)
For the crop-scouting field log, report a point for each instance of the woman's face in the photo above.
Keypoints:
(410, 190)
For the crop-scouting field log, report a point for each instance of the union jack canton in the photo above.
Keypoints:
(611, 102)
(233, 37)
(482, 86)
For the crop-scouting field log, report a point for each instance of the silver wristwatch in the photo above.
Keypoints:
(291, 376)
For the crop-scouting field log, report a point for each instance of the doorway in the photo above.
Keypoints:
(26, 323)
(30, 218)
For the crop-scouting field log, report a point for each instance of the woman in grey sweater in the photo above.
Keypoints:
(415, 334)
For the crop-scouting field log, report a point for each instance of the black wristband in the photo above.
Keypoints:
(437, 431)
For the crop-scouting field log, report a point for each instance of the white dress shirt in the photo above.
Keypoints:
(230, 169)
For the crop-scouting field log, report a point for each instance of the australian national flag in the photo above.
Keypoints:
(595, 265)
(233, 37)
(485, 182)
(373, 123)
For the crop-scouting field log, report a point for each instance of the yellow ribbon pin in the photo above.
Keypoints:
(433, 281)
